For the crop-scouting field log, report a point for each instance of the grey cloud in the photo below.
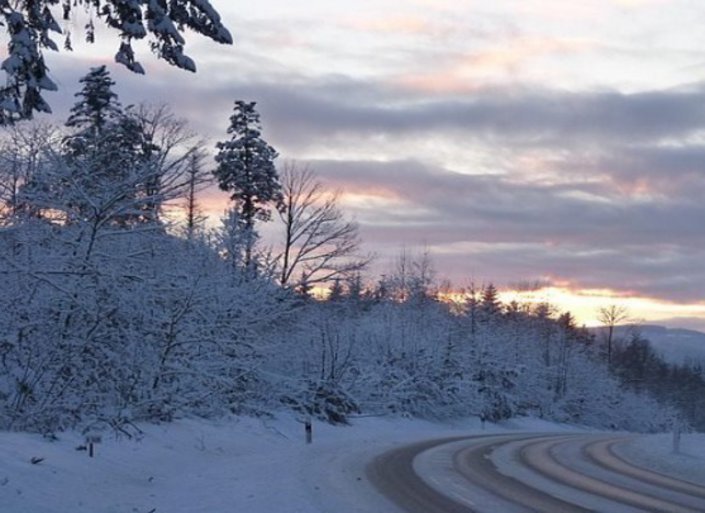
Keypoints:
(655, 247)
(674, 171)
(550, 118)
(493, 206)
(301, 111)
(529, 231)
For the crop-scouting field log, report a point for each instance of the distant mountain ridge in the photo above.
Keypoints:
(675, 345)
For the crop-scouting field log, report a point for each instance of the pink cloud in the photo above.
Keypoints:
(400, 24)
(472, 71)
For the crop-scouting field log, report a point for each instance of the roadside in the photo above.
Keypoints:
(237, 464)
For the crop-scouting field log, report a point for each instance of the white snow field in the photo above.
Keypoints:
(245, 465)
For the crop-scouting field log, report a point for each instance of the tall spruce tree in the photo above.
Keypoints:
(97, 144)
(97, 105)
(107, 154)
(246, 170)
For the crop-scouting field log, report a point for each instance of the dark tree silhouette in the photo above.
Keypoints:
(246, 170)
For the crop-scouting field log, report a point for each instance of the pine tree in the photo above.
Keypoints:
(104, 145)
(490, 305)
(335, 291)
(107, 169)
(97, 104)
(354, 287)
(100, 125)
(246, 169)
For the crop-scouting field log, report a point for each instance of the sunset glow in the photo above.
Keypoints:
(585, 305)
(418, 255)
(514, 140)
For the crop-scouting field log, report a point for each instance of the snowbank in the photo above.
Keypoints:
(236, 464)
(656, 452)
(193, 466)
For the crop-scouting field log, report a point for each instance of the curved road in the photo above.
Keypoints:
(527, 473)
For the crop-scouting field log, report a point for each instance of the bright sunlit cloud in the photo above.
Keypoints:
(586, 304)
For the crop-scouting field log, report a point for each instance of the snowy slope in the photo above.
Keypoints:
(656, 452)
(194, 466)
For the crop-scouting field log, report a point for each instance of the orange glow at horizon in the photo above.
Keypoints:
(584, 304)
(565, 295)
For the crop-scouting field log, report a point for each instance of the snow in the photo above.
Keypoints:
(504, 459)
(198, 465)
(239, 464)
(655, 452)
(253, 465)
(437, 467)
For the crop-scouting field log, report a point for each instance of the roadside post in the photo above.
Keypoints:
(677, 434)
(308, 427)
(91, 440)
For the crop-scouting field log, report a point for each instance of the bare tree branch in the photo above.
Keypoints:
(319, 243)
(611, 316)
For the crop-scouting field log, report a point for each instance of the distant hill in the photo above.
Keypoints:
(675, 345)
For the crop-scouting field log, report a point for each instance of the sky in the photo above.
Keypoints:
(545, 142)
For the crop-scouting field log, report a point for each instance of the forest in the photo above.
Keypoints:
(120, 304)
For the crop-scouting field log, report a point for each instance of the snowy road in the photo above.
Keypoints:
(522, 473)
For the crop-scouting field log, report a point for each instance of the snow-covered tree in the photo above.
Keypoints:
(246, 170)
(29, 25)
(173, 153)
(115, 166)
(102, 150)
(489, 307)
(97, 104)
(23, 155)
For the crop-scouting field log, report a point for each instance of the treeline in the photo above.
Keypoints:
(642, 370)
(399, 349)
(109, 314)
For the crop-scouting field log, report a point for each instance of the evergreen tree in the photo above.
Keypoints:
(354, 287)
(105, 147)
(246, 169)
(335, 291)
(195, 219)
(490, 306)
(98, 105)
(230, 239)
(99, 125)
(107, 169)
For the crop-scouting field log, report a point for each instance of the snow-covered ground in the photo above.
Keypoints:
(238, 464)
(656, 452)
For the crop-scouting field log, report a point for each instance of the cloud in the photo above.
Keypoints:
(600, 188)
(338, 107)
(470, 71)
(300, 112)
(513, 231)
(394, 24)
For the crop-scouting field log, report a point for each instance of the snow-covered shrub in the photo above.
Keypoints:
(326, 401)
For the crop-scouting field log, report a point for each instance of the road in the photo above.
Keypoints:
(562, 473)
